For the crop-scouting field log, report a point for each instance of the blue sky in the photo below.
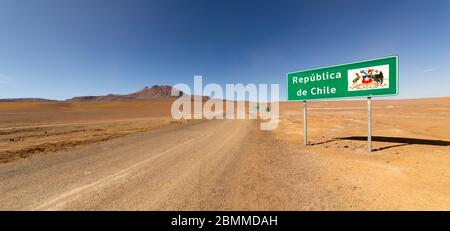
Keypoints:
(63, 48)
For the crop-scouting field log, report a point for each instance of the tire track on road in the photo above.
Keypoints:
(59, 201)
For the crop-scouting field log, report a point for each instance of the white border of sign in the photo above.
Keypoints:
(349, 97)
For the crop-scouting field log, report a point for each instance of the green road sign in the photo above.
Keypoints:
(364, 78)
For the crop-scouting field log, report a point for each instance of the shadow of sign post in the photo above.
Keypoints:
(367, 78)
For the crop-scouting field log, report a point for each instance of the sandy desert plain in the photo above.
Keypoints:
(133, 156)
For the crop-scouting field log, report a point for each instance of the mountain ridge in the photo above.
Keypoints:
(147, 93)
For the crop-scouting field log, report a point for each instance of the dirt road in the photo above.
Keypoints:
(204, 165)
(169, 168)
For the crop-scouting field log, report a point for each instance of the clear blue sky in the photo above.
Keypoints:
(63, 48)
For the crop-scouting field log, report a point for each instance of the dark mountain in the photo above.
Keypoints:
(155, 92)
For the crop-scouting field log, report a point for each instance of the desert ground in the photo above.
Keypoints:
(133, 156)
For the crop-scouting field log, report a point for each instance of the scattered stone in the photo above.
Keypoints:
(346, 146)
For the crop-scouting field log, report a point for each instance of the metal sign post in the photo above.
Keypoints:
(305, 125)
(369, 124)
(366, 78)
